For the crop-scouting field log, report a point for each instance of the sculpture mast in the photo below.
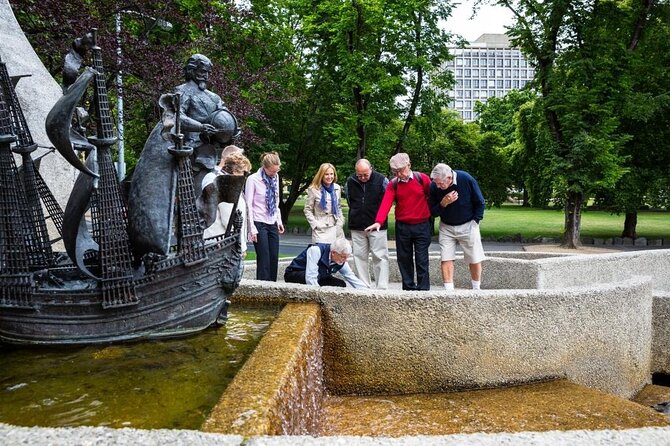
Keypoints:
(191, 246)
(39, 245)
(16, 280)
(110, 227)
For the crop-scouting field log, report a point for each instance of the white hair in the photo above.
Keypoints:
(441, 171)
(341, 246)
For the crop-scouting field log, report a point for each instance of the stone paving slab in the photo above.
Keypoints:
(103, 436)
(632, 437)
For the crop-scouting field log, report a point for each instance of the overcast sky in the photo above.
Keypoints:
(489, 19)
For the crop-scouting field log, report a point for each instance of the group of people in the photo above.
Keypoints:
(452, 195)
(258, 205)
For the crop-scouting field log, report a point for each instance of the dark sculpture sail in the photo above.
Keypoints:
(151, 199)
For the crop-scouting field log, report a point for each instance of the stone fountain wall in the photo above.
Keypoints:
(600, 338)
(599, 320)
(415, 342)
(535, 270)
(521, 270)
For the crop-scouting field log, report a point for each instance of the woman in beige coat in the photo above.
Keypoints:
(322, 207)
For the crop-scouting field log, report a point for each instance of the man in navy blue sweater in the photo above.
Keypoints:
(455, 197)
(317, 264)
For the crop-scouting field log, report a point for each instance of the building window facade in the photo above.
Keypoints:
(489, 50)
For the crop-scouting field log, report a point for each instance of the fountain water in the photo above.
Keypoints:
(162, 384)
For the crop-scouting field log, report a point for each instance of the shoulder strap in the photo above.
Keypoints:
(417, 176)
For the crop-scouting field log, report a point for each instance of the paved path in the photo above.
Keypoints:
(291, 245)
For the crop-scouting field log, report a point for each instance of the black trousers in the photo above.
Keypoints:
(412, 243)
(267, 251)
(299, 277)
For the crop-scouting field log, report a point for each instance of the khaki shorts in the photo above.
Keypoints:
(467, 235)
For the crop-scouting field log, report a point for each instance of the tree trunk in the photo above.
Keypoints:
(411, 113)
(525, 199)
(360, 125)
(630, 225)
(573, 220)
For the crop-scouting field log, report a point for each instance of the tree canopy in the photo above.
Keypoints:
(333, 81)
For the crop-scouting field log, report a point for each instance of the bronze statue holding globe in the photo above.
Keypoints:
(207, 126)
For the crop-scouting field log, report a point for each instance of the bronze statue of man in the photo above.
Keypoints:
(207, 126)
(198, 104)
(206, 122)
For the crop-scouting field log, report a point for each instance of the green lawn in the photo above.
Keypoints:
(531, 223)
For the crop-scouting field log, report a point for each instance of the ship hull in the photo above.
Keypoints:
(174, 300)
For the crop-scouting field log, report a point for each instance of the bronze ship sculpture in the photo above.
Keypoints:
(103, 290)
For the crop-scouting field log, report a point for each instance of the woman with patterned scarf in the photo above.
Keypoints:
(322, 207)
(265, 224)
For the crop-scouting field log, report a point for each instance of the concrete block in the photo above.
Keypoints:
(640, 241)
(416, 342)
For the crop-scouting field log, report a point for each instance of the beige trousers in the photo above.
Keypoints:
(375, 244)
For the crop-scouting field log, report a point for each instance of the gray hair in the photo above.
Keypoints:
(441, 171)
(341, 246)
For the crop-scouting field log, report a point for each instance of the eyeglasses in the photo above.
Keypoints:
(272, 170)
(399, 170)
(364, 174)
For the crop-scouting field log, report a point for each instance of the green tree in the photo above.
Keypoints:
(363, 50)
(529, 155)
(645, 112)
(578, 74)
(499, 114)
(443, 137)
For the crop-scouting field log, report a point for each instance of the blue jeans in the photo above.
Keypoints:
(267, 251)
(412, 243)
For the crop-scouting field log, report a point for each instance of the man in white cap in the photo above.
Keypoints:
(409, 191)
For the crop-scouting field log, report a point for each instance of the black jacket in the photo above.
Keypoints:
(364, 200)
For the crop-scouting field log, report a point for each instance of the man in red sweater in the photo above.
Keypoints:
(409, 191)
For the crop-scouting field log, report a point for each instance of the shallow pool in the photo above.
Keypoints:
(161, 384)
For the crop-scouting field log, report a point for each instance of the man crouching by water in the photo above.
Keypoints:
(317, 264)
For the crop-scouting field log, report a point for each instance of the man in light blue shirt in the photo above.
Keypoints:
(317, 264)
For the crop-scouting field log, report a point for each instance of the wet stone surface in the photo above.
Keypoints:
(556, 405)
(654, 396)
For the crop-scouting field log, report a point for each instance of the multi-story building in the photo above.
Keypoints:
(486, 68)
